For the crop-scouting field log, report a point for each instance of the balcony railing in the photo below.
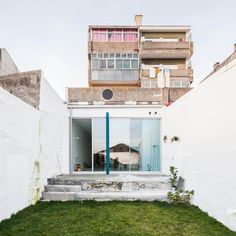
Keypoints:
(178, 78)
(173, 73)
(166, 49)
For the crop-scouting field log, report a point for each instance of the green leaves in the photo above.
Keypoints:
(173, 176)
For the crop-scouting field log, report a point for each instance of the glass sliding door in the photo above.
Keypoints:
(99, 144)
(81, 144)
(120, 151)
(134, 144)
(149, 145)
(145, 140)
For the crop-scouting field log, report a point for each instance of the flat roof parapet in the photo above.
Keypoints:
(124, 96)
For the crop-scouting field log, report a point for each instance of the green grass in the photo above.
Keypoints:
(111, 218)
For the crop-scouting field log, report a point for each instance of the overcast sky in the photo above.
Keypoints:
(52, 34)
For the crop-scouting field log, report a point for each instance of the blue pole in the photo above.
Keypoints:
(107, 144)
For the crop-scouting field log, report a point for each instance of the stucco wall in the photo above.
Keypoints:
(32, 147)
(54, 131)
(205, 121)
(19, 153)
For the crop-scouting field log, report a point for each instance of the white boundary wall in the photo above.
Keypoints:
(205, 121)
(32, 147)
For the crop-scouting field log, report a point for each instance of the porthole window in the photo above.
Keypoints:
(107, 94)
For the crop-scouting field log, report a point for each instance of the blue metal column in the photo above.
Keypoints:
(107, 144)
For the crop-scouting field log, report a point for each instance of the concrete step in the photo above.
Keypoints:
(114, 182)
(59, 196)
(136, 185)
(122, 196)
(62, 188)
(77, 179)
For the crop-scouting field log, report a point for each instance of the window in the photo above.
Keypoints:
(110, 64)
(134, 64)
(126, 64)
(130, 35)
(115, 61)
(114, 35)
(103, 64)
(179, 83)
(118, 64)
(135, 55)
(99, 35)
(95, 64)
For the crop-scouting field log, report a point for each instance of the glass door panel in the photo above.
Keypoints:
(99, 143)
(134, 144)
(145, 139)
(81, 145)
(119, 144)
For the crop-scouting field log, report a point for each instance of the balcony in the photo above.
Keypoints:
(114, 77)
(118, 47)
(166, 49)
(174, 74)
(178, 78)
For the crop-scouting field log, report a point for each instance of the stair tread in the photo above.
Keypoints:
(122, 193)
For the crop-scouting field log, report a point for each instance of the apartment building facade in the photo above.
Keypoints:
(140, 56)
(133, 71)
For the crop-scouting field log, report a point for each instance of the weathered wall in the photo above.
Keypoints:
(7, 65)
(205, 122)
(25, 86)
(32, 147)
(123, 95)
(113, 47)
(19, 154)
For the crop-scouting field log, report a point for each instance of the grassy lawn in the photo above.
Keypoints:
(111, 218)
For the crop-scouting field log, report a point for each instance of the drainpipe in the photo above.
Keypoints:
(107, 144)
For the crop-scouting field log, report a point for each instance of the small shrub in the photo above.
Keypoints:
(173, 176)
(180, 197)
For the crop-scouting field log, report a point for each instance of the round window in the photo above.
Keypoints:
(107, 94)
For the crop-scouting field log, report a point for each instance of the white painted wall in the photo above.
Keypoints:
(131, 111)
(19, 150)
(205, 121)
(54, 131)
(32, 147)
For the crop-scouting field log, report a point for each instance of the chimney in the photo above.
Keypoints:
(235, 47)
(216, 65)
(138, 20)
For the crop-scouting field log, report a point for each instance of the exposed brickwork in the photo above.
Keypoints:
(25, 86)
(113, 47)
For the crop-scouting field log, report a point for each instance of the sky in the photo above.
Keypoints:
(52, 34)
